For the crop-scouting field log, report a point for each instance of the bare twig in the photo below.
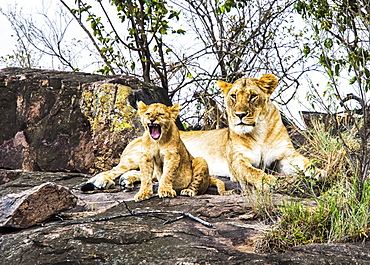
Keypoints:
(134, 213)
(173, 220)
(105, 59)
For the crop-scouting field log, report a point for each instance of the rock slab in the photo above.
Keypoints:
(35, 205)
(146, 238)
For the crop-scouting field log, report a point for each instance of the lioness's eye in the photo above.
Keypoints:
(253, 97)
(147, 114)
(161, 114)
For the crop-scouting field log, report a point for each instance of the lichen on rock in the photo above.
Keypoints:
(107, 105)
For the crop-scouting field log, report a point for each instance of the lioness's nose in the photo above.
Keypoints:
(241, 115)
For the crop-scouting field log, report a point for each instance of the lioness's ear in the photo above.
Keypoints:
(268, 83)
(141, 107)
(174, 110)
(225, 87)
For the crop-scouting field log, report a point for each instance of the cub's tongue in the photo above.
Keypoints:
(155, 131)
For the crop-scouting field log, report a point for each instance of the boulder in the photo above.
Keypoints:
(68, 121)
(35, 205)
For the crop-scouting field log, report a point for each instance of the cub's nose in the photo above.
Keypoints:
(152, 120)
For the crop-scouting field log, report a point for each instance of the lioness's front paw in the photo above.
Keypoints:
(188, 192)
(268, 179)
(229, 192)
(317, 174)
(266, 182)
(143, 195)
(166, 192)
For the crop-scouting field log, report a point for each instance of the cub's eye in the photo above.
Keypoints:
(160, 114)
(253, 97)
(233, 96)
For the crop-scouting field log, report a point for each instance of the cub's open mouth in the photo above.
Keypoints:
(154, 130)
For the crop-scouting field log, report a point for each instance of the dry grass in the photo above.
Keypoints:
(335, 214)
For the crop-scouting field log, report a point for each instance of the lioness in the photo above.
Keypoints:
(163, 152)
(255, 139)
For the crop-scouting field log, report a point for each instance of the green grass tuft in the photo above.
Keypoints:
(331, 210)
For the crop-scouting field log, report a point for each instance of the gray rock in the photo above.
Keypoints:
(144, 238)
(25, 209)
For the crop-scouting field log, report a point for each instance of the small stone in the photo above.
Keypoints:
(35, 205)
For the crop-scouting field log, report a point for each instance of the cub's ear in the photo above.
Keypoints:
(141, 107)
(268, 83)
(225, 87)
(174, 111)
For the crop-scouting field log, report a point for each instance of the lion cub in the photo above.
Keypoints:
(165, 157)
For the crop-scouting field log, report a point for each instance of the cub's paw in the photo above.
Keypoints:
(188, 192)
(166, 192)
(127, 180)
(143, 195)
(99, 181)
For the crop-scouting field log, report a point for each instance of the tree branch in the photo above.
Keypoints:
(134, 213)
(90, 37)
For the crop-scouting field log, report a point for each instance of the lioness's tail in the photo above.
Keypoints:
(221, 187)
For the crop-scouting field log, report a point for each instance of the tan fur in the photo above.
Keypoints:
(167, 156)
(255, 139)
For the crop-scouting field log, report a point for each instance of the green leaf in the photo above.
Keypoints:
(103, 50)
(163, 30)
(174, 14)
(330, 72)
(132, 66)
(328, 43)
(93, 24)
(367, 73)
(181, 31)
(336, 69)
(306, 49)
